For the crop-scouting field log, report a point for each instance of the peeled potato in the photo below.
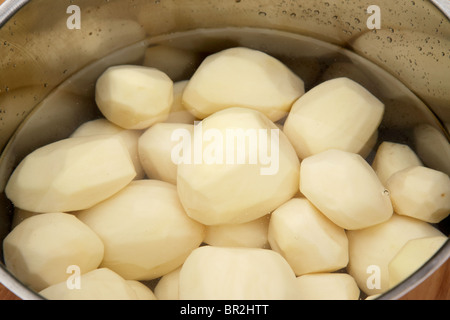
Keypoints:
(393, 157)
(168, 286)
(307, 239)
(155, 150)
(344, 187)
(142, 291)
(105, 127)
(217, 273)
(372, 249)
(134, 97)
(178, 113)
(421, 193)
(413, 255)
(242, 168)
(99, 284)
(327, 286)
(71, 174)
(337, 114)
(145, 230)
(242, 77)
(40, 249)
(253, 234)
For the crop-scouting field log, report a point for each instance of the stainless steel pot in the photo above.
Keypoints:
(42, 44)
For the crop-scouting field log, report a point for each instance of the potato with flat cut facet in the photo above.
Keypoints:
(393, 157)
(344, 187)
(372, 249)
(99, 284)
(134, 97)
(142, 291)
(413, 255)
(168, 286)
(253, 234)
(40, 249)
(104, 127)
(145, 230)
(307, 239)
(241, 167)
(70, 175)
(218, 273)
(242, 77)
(337, 114)
(421, 193)
(327, 286)
(155, 149)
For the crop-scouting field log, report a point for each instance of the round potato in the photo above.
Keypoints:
(242, 77)
(145, 230)
(134, 97)
(40, 250)
(238, 167)
(421, 193)
(337, 114)
(327, 286)
(99, 284)
(155, 150)
(345, 188)
(371, 250)
(217, 273)
(168, 286)
(307, 239)
(71, 175)
(105, 127)
(393, 157)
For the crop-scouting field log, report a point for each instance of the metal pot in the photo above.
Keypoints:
(44, 43)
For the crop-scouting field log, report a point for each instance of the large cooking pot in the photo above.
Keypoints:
(44, 43)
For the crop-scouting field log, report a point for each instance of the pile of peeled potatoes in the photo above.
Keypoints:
(235, 184)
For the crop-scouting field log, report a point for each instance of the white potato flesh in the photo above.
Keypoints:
(327, 286)
(308, 241)
(413, 255)
(337, 114)
(178, 64)
(253, 234)
(155, 150)
(242, 168)
(134, 97)
(371, 250)
(242, 77)
(218, 273)
(168, 286)
(393, 157)
(100, 284)
(178, 113)
(145, 230)
(71, 174)
(421, 193)
(105, 127)
(345, 188)
(40, 249)
(142, 291)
